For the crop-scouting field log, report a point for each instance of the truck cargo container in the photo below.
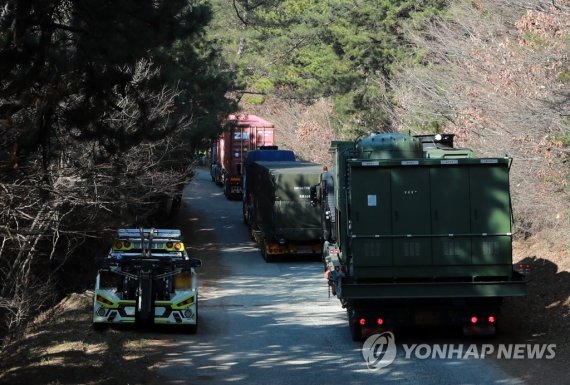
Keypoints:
(282, 218)
(417, 232)
(241, 134)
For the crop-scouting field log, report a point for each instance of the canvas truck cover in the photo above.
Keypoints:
(282, 199)
(263, 155)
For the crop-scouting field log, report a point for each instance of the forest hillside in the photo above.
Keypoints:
(494, 73)
(103, 104)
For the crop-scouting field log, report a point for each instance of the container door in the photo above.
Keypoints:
(370, 217)
(411, 219)
(490, 215)
(295, 217)
(450, 210)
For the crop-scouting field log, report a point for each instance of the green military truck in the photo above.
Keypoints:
(417, 232)
(282, 218)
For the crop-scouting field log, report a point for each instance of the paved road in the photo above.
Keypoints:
(273, 323)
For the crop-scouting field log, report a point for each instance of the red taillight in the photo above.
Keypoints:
(380, 321)
(127, 244)
(474, 320)
(169, 245)
(118, 245)
(178, 246)
(343, 268)
(491, 319)
(362, 321)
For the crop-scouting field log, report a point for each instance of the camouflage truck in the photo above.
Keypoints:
(417, 232)
(264, 154)
(282, 218)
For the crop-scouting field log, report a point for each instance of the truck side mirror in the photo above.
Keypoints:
(196, 262)
(188, 263)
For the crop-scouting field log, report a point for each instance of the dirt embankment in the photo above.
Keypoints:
(543, 317)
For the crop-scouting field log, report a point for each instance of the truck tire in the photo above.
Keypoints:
(354, 326)
(244, 213)
(266, 257)
(193, 329)
(100, 326)
(262, 250)
(227, 190)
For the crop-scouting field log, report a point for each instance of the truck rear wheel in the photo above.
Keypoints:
(263, 248)
(354, 326)
(227, 189)
(244, 212)
(192, 329)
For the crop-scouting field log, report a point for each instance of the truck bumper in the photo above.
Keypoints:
(274, 248)
(109, 309)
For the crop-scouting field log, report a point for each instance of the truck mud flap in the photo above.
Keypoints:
(353, 325)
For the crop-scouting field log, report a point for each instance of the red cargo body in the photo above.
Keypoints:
(241, 133)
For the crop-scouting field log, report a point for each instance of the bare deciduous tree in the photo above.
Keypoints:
(498, 82)
(305, 129)
(53, 203)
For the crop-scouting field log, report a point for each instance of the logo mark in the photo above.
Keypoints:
(379, 350)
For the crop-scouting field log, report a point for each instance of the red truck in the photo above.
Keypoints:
(241, 133)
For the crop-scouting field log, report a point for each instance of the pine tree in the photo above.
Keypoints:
(72, 65)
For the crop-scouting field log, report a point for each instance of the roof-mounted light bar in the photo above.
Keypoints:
(155, 233)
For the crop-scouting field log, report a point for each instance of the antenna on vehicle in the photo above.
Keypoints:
(151, 233)
(142, 241)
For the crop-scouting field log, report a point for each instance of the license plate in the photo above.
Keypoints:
(155, 245)
(427, 319)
